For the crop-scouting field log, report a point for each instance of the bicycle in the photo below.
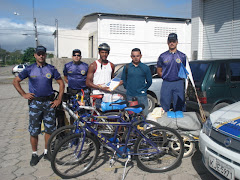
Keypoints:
(75, 155)
(73, 106)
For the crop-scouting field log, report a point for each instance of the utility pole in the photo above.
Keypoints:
(36, 34)
(56, 23)
(35, 26)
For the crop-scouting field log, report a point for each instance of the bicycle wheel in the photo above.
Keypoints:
(158, 157)
(189, 145)
(142, 126)
(57, 136)
(67, 160)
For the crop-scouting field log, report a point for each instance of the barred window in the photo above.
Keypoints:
(125, 29)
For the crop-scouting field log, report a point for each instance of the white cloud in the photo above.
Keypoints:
(15, 36)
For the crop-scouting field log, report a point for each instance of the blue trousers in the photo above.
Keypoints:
(172, 92)
(141, 100)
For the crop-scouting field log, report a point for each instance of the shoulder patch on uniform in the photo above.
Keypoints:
(48, 75)
(178, 60)
(83, 72)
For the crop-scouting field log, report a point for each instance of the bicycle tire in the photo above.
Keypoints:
(189, 145)
(65, 161)
(142, 126)
(148, 156)
(57, 136)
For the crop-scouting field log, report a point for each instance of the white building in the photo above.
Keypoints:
(215, 29)
(68, 40)
(125, 32)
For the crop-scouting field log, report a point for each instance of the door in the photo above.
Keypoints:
(235, 79)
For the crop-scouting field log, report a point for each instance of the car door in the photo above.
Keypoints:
(234, 68)
(218, 88)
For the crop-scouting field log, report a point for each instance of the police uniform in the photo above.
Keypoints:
(77, 74)
(40, 83)
(172, 86)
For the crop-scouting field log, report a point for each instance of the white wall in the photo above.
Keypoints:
(72, 39)
(143, 37)
(197, 28)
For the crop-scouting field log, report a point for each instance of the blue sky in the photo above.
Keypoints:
(69, 14)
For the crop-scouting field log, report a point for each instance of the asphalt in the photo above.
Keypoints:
(15, 149)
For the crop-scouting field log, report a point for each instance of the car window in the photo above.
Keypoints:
(199, 70)
(153, 69)
(118, 73)
(20, 66)
(235, 71)
(221, 73)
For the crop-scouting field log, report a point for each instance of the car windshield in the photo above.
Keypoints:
(20, 66)
(198, 70)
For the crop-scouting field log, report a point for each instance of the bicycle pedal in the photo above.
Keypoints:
(111, 162)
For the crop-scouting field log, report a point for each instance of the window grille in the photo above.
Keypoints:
(124, 29)
(163, 31)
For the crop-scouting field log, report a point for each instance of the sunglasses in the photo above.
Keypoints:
(76, 55)
(41, 53)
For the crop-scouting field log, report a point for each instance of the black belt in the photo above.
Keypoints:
(45, 98)
(74, 91)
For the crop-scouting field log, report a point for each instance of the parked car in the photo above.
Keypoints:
(18, 68)
(153, 92)
(217, 83)
(219, 142)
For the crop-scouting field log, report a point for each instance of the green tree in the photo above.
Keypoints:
(50, 56)
(28, 55)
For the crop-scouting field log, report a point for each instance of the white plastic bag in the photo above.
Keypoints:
(108, 97)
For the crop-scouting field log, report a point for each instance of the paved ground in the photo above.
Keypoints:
(15, 149)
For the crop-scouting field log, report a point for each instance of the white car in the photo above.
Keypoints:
(219, 142)
(18, 68)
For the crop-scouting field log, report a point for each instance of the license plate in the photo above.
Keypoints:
(221, 167)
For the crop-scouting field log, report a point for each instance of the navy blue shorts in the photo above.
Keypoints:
(41, 111)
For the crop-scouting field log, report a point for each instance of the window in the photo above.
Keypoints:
(221, 73)
(125, 29)
(163, 31)
(235, 71)
(198, 70)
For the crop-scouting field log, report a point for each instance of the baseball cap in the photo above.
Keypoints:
(41, 49)
(172, 37)
(76, 51)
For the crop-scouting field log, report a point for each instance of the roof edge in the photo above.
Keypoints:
(132, 16)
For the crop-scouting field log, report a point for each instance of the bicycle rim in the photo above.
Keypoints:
(158, 157)
(57, 136)
(68, 162)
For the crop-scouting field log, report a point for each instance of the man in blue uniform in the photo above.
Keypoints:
(137, 80)
(75, 74)
(168, 66)
(41, 98)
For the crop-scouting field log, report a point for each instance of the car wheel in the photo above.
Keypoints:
(16, 74)
(219, 106)
(151, 103)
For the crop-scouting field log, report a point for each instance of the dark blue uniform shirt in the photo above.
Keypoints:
(170, 64)
(138, 80)
(40, 79)
(76, 74)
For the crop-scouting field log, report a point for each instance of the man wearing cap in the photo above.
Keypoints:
(168, 66)
(40, 98)
(75, 74)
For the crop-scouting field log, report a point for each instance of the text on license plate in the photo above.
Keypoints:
(221, 167)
